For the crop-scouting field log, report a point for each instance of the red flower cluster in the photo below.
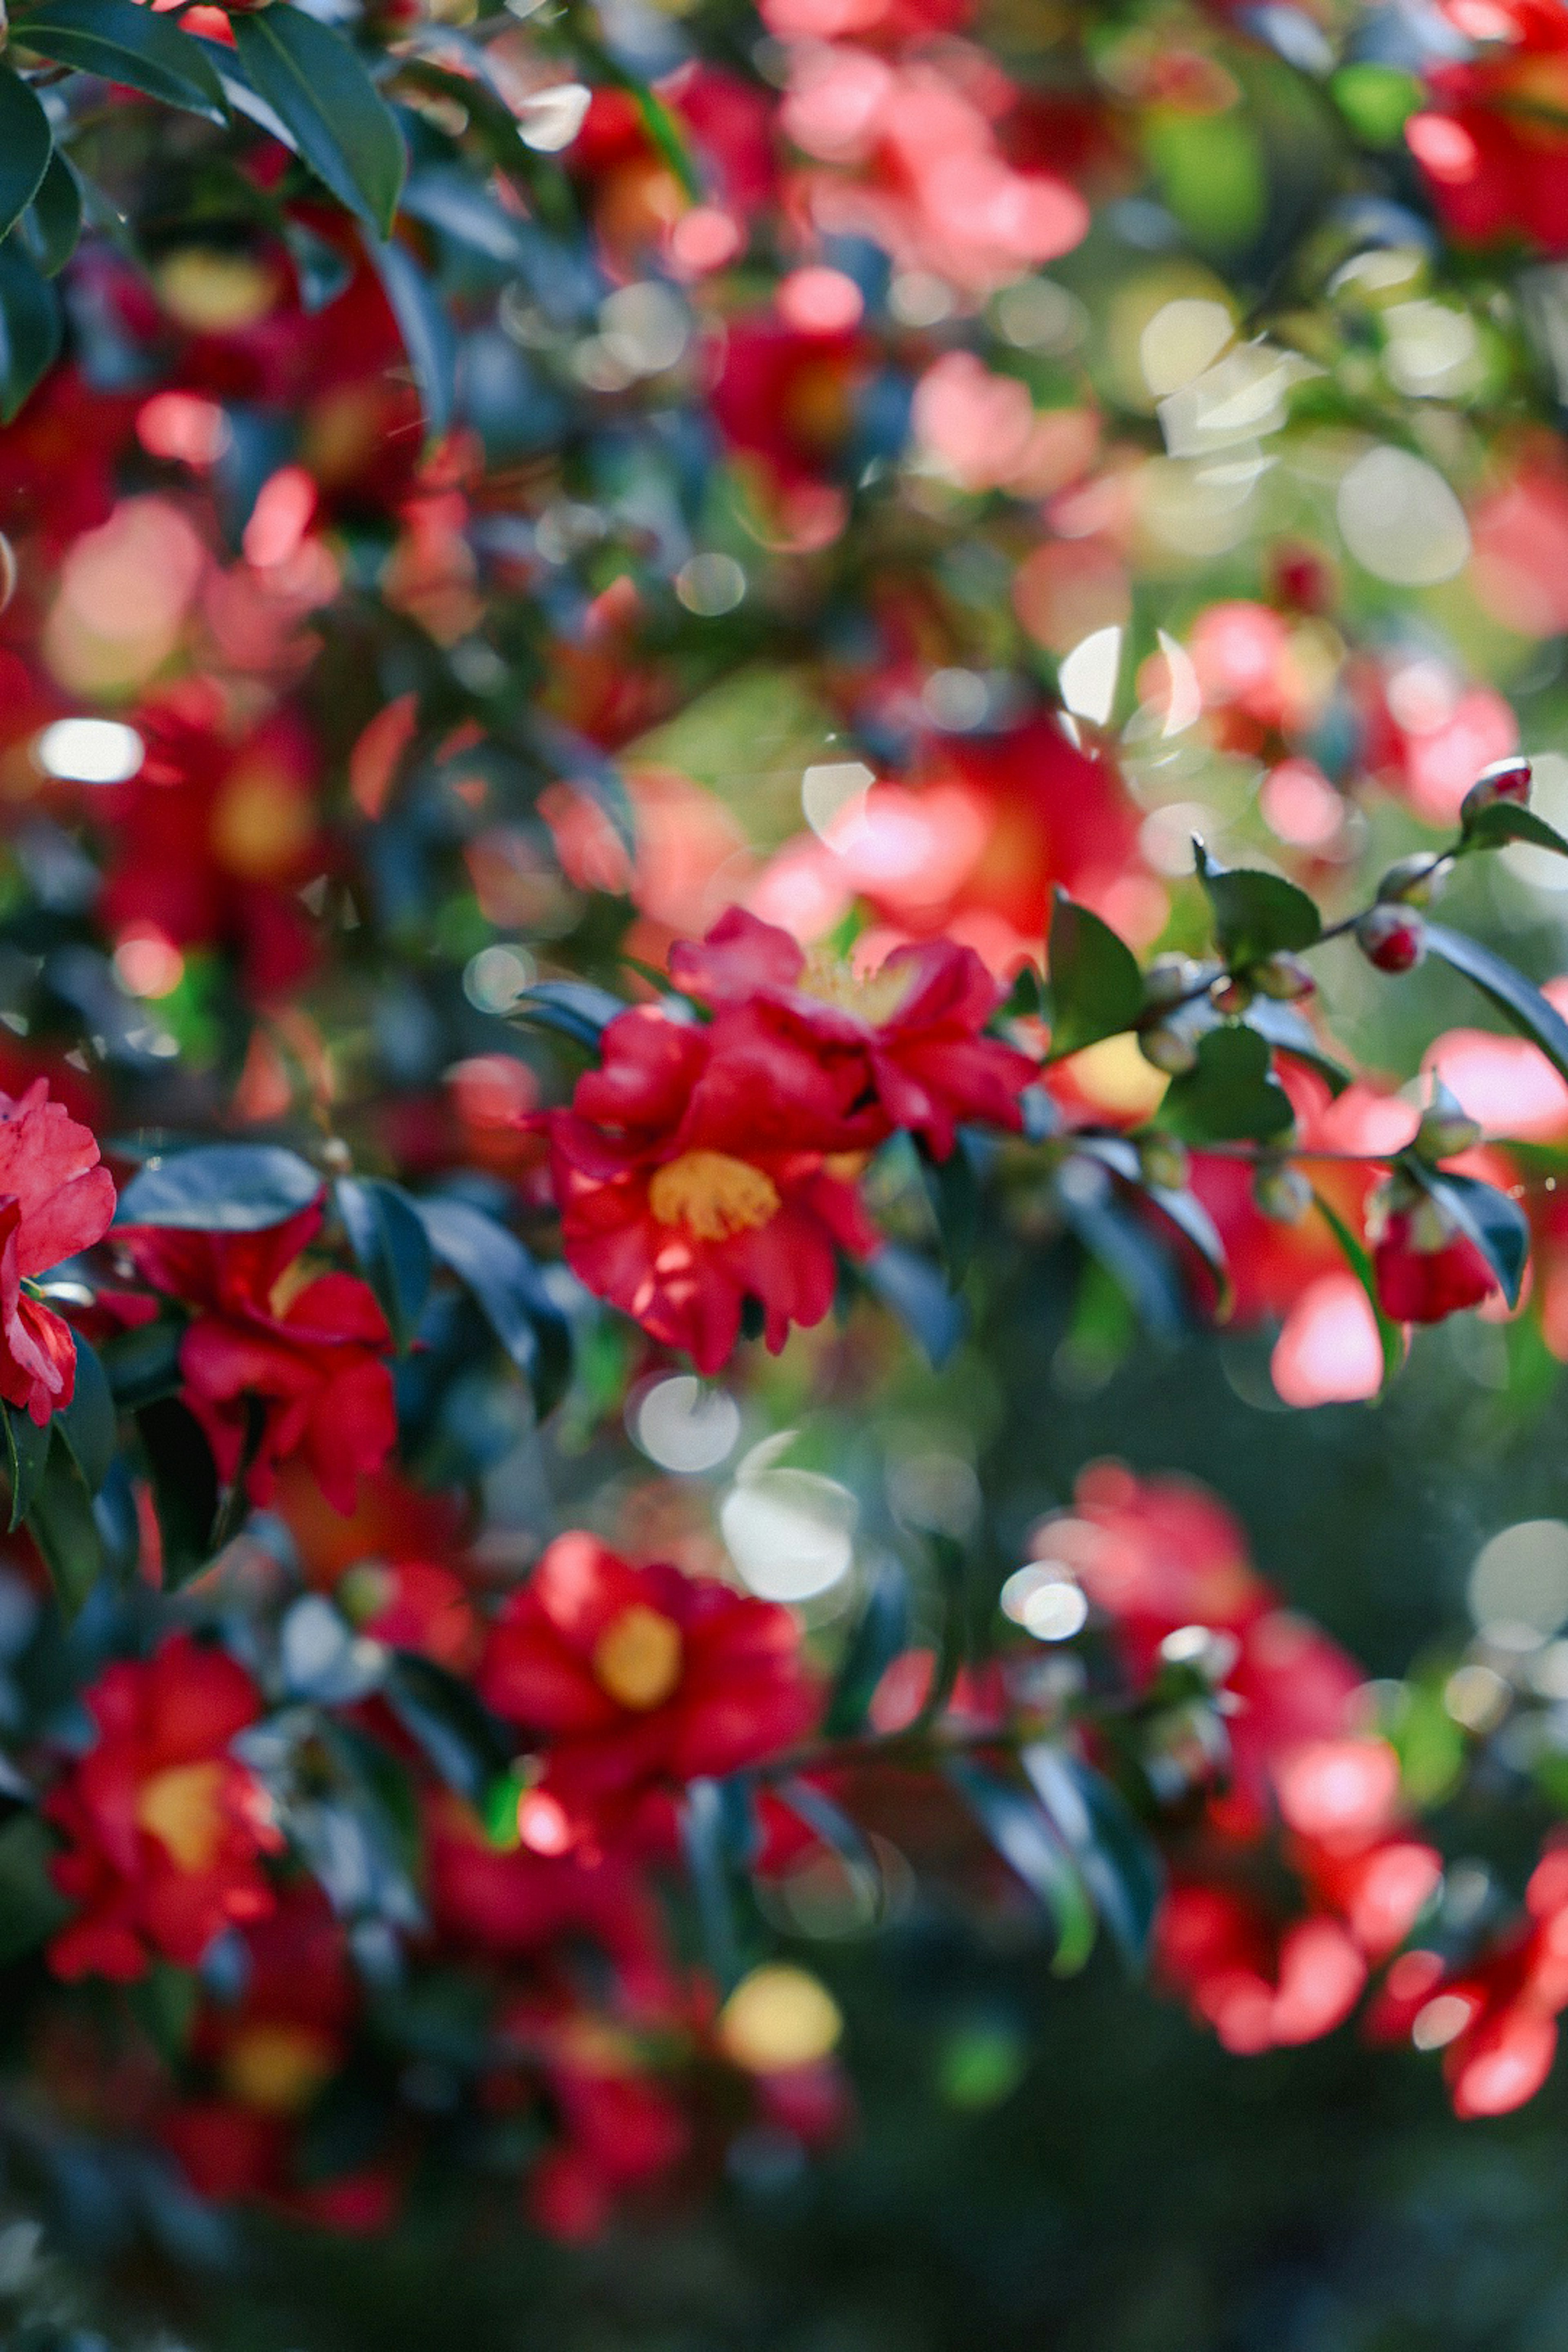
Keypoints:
(1493, 145)
(705, 1163)
(165, 1828)
(308, 1352)
(55, 1200)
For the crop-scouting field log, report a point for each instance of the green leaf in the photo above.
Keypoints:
(387, 1235)
(1256, 914)
(704, 1841)
(509, 1290)
(31, 1908)
(1515, 997)
(220, 1188)
(1117, 1861)
(881, 1635)
(1497, 1225)
(88, 1425)
(1229, 1096)
(572, 1008)
(1290, 1033)
(1096, 989)
(426, 332)
(338, 119)
(1193, 1221)
(29, 330)
(50, 228)
(185, 1487)
(27, 1450)
(463, 1742)
(124, 43)
(61, 1524)
(914, 1288)
(1028, 1841)
(27, 142)
(952, 1187)
(1360, 1264)
(143, 1364)
(1505, 821)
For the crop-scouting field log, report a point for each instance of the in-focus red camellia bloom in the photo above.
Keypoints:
(308, 1350)
(165, 1828)
(639, 1678)
(918, 1021)
(692, 1172)
(55, 1198)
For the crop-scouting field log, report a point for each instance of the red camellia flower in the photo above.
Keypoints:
(639, 1678)
(1492, 145)
(1425, 1270)
(164, 1827)
(916, 1021)
(55, 1200)
(308, 1350)
(691, 1174)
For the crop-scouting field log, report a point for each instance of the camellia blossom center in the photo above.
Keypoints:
(183, 1808)
(713, 1195)
(638, 1657)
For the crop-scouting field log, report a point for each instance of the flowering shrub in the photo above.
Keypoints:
(673, 689)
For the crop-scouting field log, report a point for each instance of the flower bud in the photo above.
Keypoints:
(1170, 977)
(1163, 1163)
(1505, 780)
(1446, 1128)
(1231, 995)
(1414, 881)
(1168, 1050)
(1281, 1192)
(1392, 937)
(1283, 977)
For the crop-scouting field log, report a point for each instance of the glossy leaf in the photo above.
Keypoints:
(881, 1635)
(26, 144)
(184, 1483)
(1289, 1032)
(1515, 997)
(1497, 1225)
(952, 1188)
(336, 118)
(60, 1521)
(426, 332)
(1229, 1096)
(1256, 914)
(29, 330)
(1031, 1844)
(914, 1288)
(510, 1292)
(464, 1743)
(222, 1188)
(572, 1008)
(387, 1235)
(124, 43)
(50, 228)
(1096, 989)
(27, 1451)
(87, 1423)
(1118, 1863)
(1193, 1223)
(1504, 821)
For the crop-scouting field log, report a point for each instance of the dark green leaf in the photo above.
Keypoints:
(51, 226)
(881, 1635)
(912, 1286)
(124, 43)
(1137, 1260)
(87, 1423)
(27, 1451)
(164, 2005)
(1289, 1032)
(185, 1487)
(336, 117)
(510, 1292)
(1505, 821)
(463, 1742)
(1514, 996)
(703, 1839)
(61, 1524)
(572, 1008)
(1096, 989)
(387, 1235)
(1192, 1220)
(1361, 1265)
(1497, 1225)
(1118, 1863)
(30, 1907)
(952, 1186)
(29, 330)
(1229, 1096)
(426, 332)
(26, 144)
(220, 1188)
(1031, 1844)
(144, 1365)
(1256, 914)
